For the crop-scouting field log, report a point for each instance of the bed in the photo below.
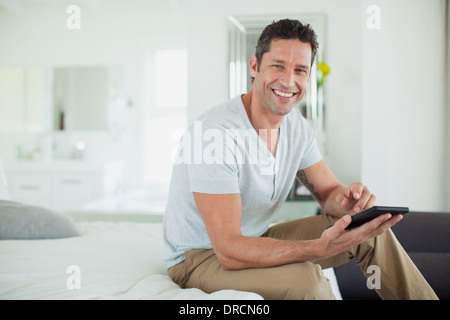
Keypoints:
(47, 255)
(109, 260)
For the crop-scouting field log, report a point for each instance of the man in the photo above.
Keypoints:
(239, 161)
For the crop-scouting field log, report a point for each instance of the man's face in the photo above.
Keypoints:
(283, 75)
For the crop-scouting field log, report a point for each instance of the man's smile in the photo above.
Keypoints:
(284, 95)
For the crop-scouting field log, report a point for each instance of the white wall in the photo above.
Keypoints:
(403, 104)
(382, 90)
(446, 171)
(113, 34)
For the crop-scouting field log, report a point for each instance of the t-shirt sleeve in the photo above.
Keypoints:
(213, 178)
(312, 154)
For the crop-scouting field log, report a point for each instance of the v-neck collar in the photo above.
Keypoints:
(260, 141)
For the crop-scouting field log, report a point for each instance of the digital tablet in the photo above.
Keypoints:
(371, 213)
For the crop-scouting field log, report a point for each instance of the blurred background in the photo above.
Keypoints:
(94, 94)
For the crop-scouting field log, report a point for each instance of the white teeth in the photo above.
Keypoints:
(283, 94)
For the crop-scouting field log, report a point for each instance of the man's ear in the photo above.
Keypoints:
(253, 66)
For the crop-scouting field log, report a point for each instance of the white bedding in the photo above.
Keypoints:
(113, 260)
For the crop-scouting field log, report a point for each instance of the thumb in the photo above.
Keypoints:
(341, 224)
(345, 220)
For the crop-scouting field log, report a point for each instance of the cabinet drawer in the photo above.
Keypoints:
(72, 192)
(31, 189)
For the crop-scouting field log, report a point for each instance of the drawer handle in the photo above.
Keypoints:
(29, 187)
(71, 181)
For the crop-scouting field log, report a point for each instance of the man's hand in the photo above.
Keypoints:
(334, 198)
(355, 198)
(336, 239)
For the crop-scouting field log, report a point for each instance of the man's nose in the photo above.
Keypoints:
(288, 79)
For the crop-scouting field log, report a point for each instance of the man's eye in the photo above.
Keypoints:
(278, 66)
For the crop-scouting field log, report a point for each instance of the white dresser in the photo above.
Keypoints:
(62, 185)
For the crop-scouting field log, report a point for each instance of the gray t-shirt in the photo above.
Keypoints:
(221, 153)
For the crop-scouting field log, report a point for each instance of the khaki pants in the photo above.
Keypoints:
(399, 277)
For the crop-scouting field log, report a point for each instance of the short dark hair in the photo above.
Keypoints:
(286, 29)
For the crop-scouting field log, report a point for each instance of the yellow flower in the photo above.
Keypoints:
(324, 71)
(324, 68)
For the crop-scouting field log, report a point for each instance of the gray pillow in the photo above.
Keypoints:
(19, 221)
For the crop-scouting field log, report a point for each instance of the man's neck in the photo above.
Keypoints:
(265, 123)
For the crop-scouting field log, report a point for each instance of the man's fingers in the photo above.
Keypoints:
(388, 223)
(380, 224)
(340, 226)
(356, 198)
(347, 192)
(344, 201)
(366, 201)
(344, 221)
(340, 198)
(355, 189)
(375, 223)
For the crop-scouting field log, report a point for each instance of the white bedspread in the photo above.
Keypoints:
(113, 260)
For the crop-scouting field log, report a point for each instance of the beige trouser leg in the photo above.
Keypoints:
(399, 277)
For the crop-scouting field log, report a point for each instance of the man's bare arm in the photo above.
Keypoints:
(222, 217)
(221, 214)
(334, 198)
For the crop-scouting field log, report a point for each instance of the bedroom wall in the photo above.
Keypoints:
(446, 187)
(113, 33)
(360, 96)
(446, 145)
(403, 103)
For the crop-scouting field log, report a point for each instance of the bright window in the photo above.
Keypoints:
(166, 112)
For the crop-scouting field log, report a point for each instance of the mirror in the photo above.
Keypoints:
(46, 99)
(79, 92)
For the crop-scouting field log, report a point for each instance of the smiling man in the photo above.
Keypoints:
(217, 226)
